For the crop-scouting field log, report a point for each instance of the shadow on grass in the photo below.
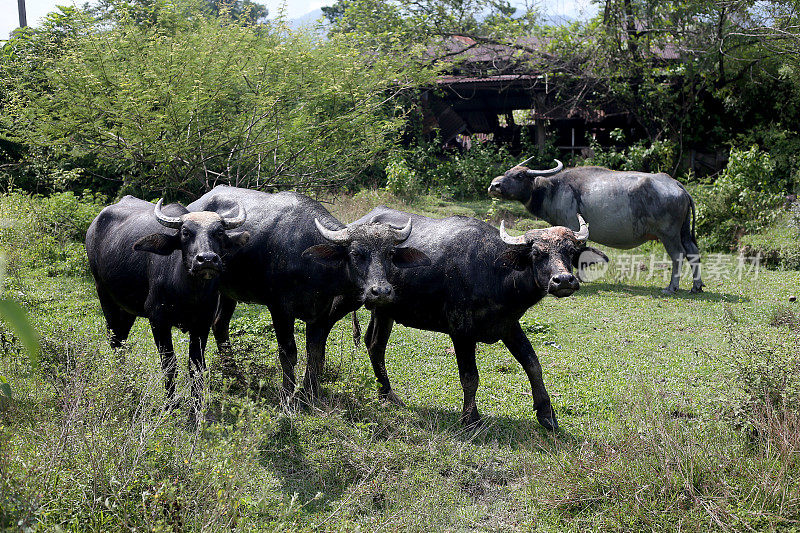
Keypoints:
(504, 430)
(655, 292)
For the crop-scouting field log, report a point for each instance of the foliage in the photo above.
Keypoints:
(767, 376)
(642, 156)
(14, 317)
(401, 180)
(777, 245)
(48, 232)
(187, 101)
(783, 146)
(390, 24)
(744, 199)
(465, 174)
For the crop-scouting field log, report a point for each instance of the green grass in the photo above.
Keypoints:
(663, 404)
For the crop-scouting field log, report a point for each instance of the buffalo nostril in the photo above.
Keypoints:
(562, 279)
(379, 290)
(207, 258)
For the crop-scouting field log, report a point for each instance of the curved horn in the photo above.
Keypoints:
(403, 233)
(583, 233)
(508, 239)
(339, 236)
(230, 223)
(164, 220)
(548, 172)
(524, 162)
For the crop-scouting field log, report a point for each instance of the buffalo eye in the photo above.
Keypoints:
(390, 253)
(357, 254)
(185, 232)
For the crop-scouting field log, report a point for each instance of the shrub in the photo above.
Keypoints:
(778, 245)
(766, 379)
(48, 231)
(743, 199)
(160, 105)
(401, 180)
(658, 156)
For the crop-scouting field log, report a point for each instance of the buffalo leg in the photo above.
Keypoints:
(287, 351)
(118, 321)
(316, 338)
(693, 255)
(675, 250)
(375, 338)
(222, 322)
(197, 367)
(162, 334)
(468, 374)
(520, 347)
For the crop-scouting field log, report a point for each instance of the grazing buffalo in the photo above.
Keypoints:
(478, 285)
(165, 266)
(624, 209)
(304, 264)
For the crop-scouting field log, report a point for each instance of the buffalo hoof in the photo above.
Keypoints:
(471, 419)
(547, 418)
(300, 401)
(669, 291)
(696, 290)
(391, 397)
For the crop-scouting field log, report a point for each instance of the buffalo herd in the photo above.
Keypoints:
(188, 267)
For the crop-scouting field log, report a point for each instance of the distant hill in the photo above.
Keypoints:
(309, 19)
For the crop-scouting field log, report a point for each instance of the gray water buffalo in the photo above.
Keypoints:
(478, 285)
(302, 263)
(624, 209)
(164, 266)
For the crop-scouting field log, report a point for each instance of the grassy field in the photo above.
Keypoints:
(676, 413)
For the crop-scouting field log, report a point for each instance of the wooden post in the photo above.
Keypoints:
(540, 134)
(23, 16)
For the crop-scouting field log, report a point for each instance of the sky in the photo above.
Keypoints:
(36, 9)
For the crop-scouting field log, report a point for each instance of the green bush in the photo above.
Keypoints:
(161, 106)
(401, 180)
(766, 368)
(743, 200)
(48, 232)
(778, 245)
(658, 156)
(784, 149)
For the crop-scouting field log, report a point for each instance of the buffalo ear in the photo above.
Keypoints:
(540, 182)
(237, 239)
(517, 258)
(327, 254)
(158, 243)
(409, 258)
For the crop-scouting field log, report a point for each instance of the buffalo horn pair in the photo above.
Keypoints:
(342, 236)
(175, 222)
(582, 234)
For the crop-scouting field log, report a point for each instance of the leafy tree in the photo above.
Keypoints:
(186, 101)
(427, 24)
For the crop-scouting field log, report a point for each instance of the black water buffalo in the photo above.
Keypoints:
(624, 209)
(480, 282)
(302, 263)
(168, 276)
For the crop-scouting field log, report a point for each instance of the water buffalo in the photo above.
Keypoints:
(624, 209)
(168, 276)
(478, 285)
(302, 263)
